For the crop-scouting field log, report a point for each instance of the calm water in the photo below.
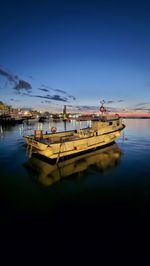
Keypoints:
(108, 189)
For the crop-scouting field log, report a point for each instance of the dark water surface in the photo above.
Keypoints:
(106, 191)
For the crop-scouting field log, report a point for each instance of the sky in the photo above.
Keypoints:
(76, 53)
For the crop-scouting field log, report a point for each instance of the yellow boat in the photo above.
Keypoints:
(47, 174)
(103, 131)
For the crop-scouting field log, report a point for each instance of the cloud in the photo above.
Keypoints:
(47, 101)
(45, 90)
(19, 84)
(8, 76)
(14, 100)
(49, 97)
(141, 104)
(58, 90)
(72, 97)
(23, 85)
(45, 86)
(141, 109)
(86, 107)
(110, 101)
(56, 98)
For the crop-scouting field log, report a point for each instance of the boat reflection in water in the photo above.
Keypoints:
(47, 174)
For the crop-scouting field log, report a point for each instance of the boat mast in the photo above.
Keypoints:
(102, 108)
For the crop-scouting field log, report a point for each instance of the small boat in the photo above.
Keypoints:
(31, 120)
(47, 174)
(43, 119)
(103, 131)
(10, 120)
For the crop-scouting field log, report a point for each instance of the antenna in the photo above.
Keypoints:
(102, 102)
(102, 108)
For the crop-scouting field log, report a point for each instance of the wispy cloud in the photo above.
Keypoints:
(47, 101)
(48, 88)
(54, 98)
(141, 106)
(72, 97)
(112, 101)
(14, 100)
(61, 91)
(18, 84)
(23, 85)
(86, 108)
(45, 90)
(8, 76)
(142, 103)
(49, 97)
(142, 109)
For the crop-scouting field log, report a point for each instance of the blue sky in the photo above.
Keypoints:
(75, 52)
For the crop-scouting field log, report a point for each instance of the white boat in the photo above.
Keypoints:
(32, 120)
(103, 131)
(47, 174)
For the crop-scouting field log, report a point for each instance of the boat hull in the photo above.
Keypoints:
(74, 146)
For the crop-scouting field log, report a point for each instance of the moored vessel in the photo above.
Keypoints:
(104, 130)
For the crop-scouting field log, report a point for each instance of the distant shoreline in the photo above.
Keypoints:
(133, 117)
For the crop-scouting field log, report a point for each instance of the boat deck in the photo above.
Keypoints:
(53, 140)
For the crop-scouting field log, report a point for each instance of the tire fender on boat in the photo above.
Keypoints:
(53, 129)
